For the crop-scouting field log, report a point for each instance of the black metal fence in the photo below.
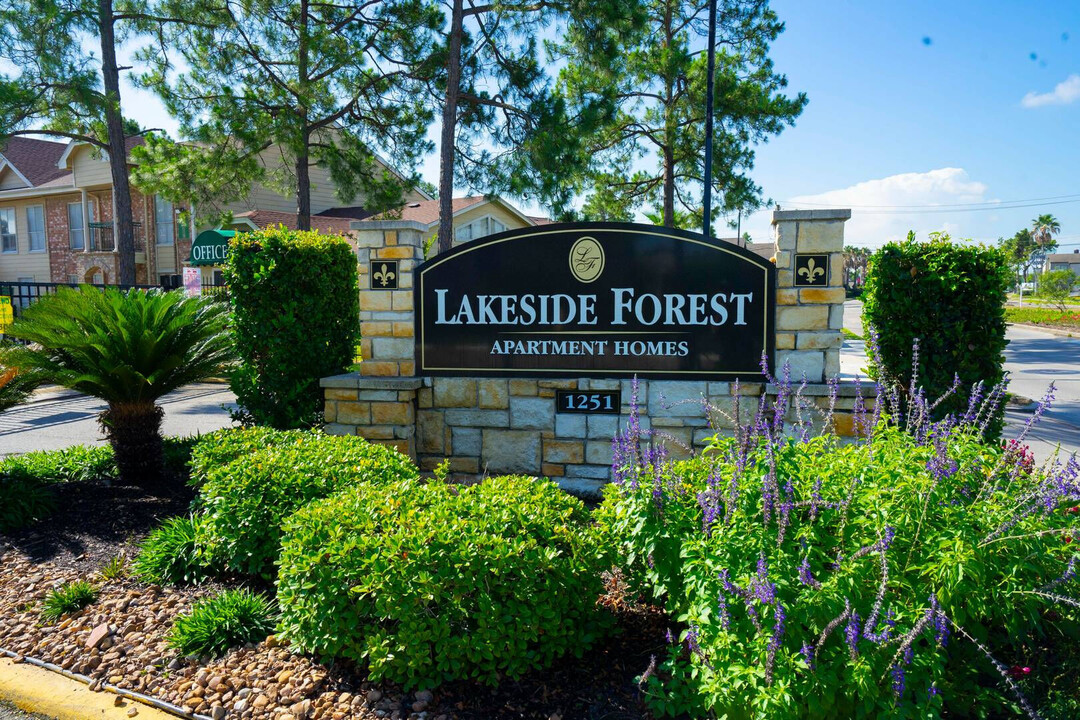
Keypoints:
(24, 294)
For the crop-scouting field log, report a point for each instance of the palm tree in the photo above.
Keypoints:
(1044, 228)
(128, 348)
(15, 387)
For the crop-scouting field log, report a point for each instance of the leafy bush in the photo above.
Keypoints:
(23, 501)
(295, 299)
(1057, 286)
(221, 447)
(78, 463)
(68, 598)
(814, 579)
(177, 553)
(225, 621)
(429, 583)
(951, 299)
(128, 348)
(248, 500)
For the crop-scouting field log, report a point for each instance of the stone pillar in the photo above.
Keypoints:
(388, 253)
(809, 291)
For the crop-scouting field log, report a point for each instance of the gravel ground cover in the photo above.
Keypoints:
(121, 638)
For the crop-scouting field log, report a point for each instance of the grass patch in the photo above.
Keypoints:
(68, 598)
(850, 334)
(222, 622)
(1068, 320)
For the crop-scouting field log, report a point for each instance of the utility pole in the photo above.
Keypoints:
(706, 221)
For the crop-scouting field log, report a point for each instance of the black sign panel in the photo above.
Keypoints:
(811, 270)
(590, 402)
(594, 299)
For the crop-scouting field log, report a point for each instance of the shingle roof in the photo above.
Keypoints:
(427, 211)
(266, 218)
(35, 159)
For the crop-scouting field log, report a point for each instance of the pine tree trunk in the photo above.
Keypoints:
(134, 432)
(303, 191)
(670, 120)
(123, 229)
(449, 126)
(303, 177)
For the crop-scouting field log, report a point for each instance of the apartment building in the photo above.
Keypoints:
(56, 211)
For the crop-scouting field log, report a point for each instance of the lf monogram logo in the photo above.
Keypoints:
(586, 259)
(384, 274)
(811, 270)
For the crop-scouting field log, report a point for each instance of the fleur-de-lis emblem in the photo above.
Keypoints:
(811, 270)
(385, 275)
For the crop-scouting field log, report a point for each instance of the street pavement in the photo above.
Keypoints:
(57, 418)
(1033, 359)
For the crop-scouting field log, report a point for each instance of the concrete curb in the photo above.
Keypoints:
(66, 696)
(1052, 331)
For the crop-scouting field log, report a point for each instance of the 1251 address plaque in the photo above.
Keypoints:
(595, 299)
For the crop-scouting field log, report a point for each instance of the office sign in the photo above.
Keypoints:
(595, 299)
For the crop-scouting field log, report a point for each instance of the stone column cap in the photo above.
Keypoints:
(825, 214)
(388, 225)
(355, 380)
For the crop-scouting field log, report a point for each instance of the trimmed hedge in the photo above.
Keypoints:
(295, 299)
(221, 447)
(430, 583)
(949, 296)
(246, 501)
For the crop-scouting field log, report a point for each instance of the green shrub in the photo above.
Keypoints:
(68, 598)
(1057, 286)
(248, 500)
(824, 580)
(429, 583)
(177, 553)
(221, 447)
(78, 463)
(225, 621)
(949, 296)
(23, 501)
(295, 299)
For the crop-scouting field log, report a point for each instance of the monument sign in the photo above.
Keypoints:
(595, 299)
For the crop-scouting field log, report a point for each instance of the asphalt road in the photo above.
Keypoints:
(60, 418)
(1033, 359)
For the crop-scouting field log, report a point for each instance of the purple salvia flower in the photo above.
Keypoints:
(807, 651)
(775, 641)
(852, 634)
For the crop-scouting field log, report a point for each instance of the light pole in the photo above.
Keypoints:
(706, 223)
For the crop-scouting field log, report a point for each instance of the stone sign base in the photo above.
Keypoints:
(501, 426)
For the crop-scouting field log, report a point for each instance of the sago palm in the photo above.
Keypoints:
(128, 348)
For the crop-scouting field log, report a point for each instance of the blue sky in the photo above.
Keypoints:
(922, 103)
(913, 103)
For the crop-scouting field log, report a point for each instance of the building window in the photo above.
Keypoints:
(35, 227)
(76, 231)
(163, 221)
(486, 225)
(9, 243)
(170, 282)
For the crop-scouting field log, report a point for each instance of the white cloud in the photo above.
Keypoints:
(881, 209)
(1064, 93)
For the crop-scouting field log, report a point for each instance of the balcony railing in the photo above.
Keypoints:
(102, 240)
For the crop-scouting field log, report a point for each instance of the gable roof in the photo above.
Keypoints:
(35, 161)
(129, 142)
(427, 211)
(321, 223)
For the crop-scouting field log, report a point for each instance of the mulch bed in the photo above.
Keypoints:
(95, 523)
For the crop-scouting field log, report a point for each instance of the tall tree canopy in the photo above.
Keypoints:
(61, 88)
(652, 153)
(1043, 230)
(328, 84)
(504, 128)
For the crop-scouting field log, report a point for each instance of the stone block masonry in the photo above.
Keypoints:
(498, 425)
